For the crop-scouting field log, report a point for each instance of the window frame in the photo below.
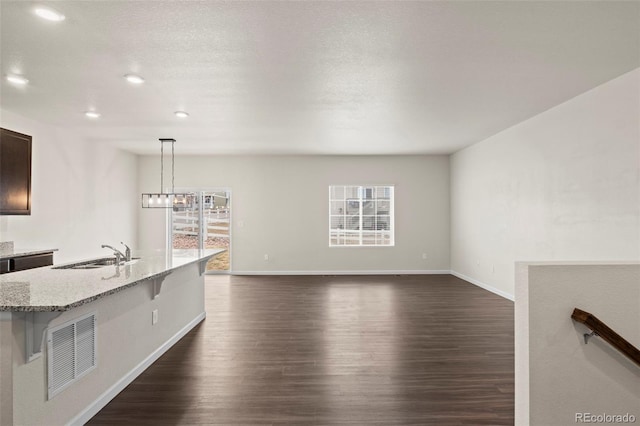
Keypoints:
(366, 197)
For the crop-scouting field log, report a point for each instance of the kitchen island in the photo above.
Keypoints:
(138, 309)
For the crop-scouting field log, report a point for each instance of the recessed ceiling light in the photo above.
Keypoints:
(92, 114)
(181, 114)
(49, 14)
(17, 79)
(135, 79)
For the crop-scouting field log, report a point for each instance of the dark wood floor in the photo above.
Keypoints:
(382, 350)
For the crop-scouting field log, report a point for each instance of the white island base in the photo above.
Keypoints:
(126, 341)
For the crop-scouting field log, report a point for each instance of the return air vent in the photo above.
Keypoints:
(71, 352)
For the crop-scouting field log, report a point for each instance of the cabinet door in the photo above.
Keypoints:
(5, 266)
(30, 262)
(15, 173)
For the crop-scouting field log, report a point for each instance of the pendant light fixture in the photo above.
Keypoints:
(166, 200)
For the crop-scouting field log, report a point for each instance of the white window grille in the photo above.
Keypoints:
(361, 215)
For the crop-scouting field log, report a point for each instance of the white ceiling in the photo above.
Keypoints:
(309, 77)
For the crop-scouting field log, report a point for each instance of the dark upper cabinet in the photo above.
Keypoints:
(15, 173)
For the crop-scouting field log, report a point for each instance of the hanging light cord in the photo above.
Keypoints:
(173, 169)
(161, 166)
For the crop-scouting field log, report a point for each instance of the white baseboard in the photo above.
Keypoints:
(97, 405)
(484, 286)
(350, 272)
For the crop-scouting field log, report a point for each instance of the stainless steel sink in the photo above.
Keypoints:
(89, 266)
(94, 264)
(105, 262)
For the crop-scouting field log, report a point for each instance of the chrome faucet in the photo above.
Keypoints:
(127, 252)
(117, 252)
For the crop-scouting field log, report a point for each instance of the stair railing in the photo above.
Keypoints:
(600, 329)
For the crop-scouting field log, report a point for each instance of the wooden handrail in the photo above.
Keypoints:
(603, 330)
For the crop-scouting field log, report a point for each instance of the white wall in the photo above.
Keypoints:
(557, 375)
(563, 185)
(84, 194)
(282, 202)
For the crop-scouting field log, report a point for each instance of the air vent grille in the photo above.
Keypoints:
(71, 352)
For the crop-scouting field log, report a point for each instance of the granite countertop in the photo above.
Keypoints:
(49, 289)
(9, 252)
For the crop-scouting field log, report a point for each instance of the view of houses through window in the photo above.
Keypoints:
(361, 215)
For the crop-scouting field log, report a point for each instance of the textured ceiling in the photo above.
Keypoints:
(309, 77)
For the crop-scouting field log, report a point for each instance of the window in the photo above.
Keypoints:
(360, 215)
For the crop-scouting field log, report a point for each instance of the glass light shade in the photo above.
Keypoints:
(160, 200)
(167, 200)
